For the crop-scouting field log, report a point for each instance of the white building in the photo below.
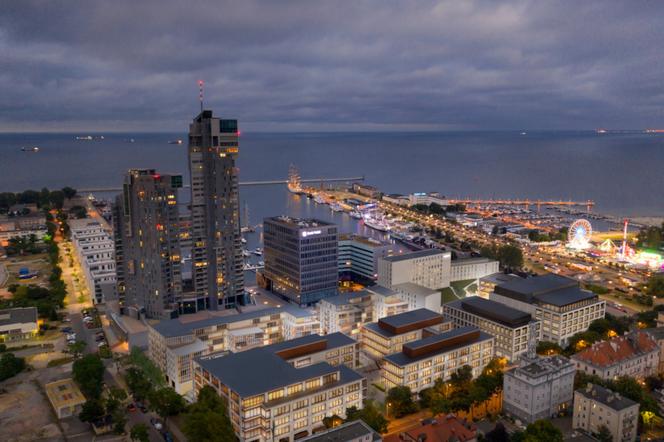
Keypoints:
(358, 256)
(429, 268)
(540, 388)
(398, 199)
(18, 324)
(596, 406)
(418, 296)
(427, 199)
(345, 312)
(472, 268)
(95, 250)
(387, 302)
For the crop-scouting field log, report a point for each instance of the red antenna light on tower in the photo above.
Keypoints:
(200, 93)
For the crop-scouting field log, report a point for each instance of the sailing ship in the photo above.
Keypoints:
(294, 181)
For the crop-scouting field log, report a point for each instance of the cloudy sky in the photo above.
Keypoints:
(332, 65)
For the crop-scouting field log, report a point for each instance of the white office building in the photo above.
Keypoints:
(95, 251)
(429, 268)
(472, 268)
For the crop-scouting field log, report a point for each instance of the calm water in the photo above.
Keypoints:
(624, 174)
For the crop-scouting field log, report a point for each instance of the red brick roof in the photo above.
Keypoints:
(446, 428)
(622, 348)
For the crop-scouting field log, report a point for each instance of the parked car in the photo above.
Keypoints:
(156, 424)
(101, 344)
(131, 407)
(66, 330)
(168, 437)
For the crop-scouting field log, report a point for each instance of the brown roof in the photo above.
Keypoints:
(628, 346)
(444, 429)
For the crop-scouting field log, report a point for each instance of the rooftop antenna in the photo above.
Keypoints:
(200, 93)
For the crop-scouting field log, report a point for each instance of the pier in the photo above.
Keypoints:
(524, 202)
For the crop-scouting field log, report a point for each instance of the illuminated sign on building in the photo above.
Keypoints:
(307, 233)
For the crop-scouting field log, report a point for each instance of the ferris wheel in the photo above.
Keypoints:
(579, 233)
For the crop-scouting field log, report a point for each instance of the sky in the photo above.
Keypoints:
(356, 65)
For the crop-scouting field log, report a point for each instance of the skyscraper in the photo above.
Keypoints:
(217, 273)
(147, 241)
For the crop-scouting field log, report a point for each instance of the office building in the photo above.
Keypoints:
(635, 354)
(513, 329)
(301, 258)
(596, 407)
(18, 324)
(366, 190)
(466, 269)
(147, 237)
(95, 252)
(358, 257)
(539, 388)
(429, 268)
(487, 284)
(396, 198)
(421, 362)
(558, 302)
(272, 397)
(389, 334)
(427, 198)
(217, 275)
(23, 223)
(355, 431)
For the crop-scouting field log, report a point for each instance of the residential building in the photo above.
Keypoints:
(147, 236)
(358, 257)
(513, 329)
(301, 258)
(466, 269)
(65, 397)
(217, 272)
(658, 336)
(596, 407)
(22, 226)
(635, 354)
(558, 302)
(18, 324)
(487, 284)
(95, 252)
(355, 431)
(429, 268)
(387, 302)
(443, 428)
(421, 362)
(539, 388)
(388, 335)
(345, 312)
(418, 296)
(270, 398)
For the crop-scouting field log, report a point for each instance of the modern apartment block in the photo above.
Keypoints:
(513, 329)
(429, 268)
(345, 312)
(558, 302)
(22, 226)
(271, 398)
(387, 302)
(147, 239)
(95, 252)
(218, 278)
(173, 344)
(539, 388)
(421, 362)
(18, 324)
(472, 268)
(301, 258)
(389, 334)
(358, 257)
(596, 406)
(635, 354)
(418, 296)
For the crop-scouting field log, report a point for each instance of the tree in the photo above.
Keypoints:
(139, 432)
(91, 411)
(400, 401)
(68, 192)
(370, 414)
(655, 286)
(166, 402)
(207, 419)
(603, 434)
(542, 430)
(498, 434)
(461, 377)
(138, 383)
(89, 373)
(548, 348)
(510, 256)
(77, 348)
(10, 366)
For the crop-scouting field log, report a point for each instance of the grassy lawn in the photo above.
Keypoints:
(447, 295)
(35, 263)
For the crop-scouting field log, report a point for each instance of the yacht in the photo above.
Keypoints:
(377, 224)
(319, 199)
(355, 214)
(30, 149)
(336, 207)
(258, 251)
(175, 142)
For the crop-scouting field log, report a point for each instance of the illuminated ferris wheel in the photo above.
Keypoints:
(579, 233)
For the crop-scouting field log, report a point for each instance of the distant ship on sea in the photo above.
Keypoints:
(175, 142)
(89, 137)
(30, 149)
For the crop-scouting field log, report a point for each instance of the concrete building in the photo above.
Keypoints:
(443, 428)
(271, 398)
(427, 199)
(96, 254)
(596, 406)
(301, 258)
(346, 312)
(396, 198)
(421, 362)
(355, 431)
(429, 268)
(358, 257)
(658, 336)
(472, 268)
(418, 296)
(217, 272)
(18, 324)
(635, 354)
(389, 334)
(22, 226)
(513, 329)
(387, 302)
(558, 302)
(487, 284)
(365, 190)
(147, 240)
(539, 388)
(65, 398)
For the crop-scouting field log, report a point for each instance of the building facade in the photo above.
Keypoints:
(301, 258)
(147, 237)
(217, 272)
(355, 431)
(596, 406)
(429, 268)
(18, 324)
(358, 257)
(418, 296)
(472, 268)
(345, 313)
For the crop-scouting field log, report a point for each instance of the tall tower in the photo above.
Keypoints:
(147, 235)
(217, 261)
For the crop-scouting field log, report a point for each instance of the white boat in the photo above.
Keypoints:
(244, 241)
(261, 263)
(377, 224)
(246, 253)
(30, 149)
(355, 214)
(258, 251)
(336, 207)
(319, 199)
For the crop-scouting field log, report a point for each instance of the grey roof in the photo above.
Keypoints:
(412, 255)
(539, 284)
(463, 261)
(606, 397)
(303, 223)
(343, 433)
(174, 327)
(657, 333)
(499, 278)
(21, 315)
(381, 290)
(421, 314)
(549, 289)
(334, 340)
(492, 310)
(416, 289)
(541, 366)
(344, 298)
(401, 359)
(566, 296)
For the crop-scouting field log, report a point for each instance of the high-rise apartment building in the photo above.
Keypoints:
(218, 279)
(148, 245)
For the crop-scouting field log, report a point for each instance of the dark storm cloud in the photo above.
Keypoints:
(314, 65)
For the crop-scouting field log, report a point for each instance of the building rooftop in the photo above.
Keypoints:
(541, 366)
(413, 255)
(22, 315)
(345, 432)
(548, 289)
(498, 278)
(628, 346)
(381, 291)
(362, 239)
(415, 289)
(607, 397)
(408, 321)
(345, 298)
(464, 261)
(492, 310)
(64, 392)
(299, 222)
(444, 428)
(437, 344)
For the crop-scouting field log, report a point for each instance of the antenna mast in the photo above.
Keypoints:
(200, 93)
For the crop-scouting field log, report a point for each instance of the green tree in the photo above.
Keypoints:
(510, 256)
(498, 434)
(68, 192)
(460, 379)
(655, 286)
(370, 414)
(91, 411)
(166, 402)
(140, 433)
(77, 348)
(88, 372)
(10, 366)
(542, 430)
(603, 434)
(400, 401)
(548, 348)
(207, 420)
(138, 383)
